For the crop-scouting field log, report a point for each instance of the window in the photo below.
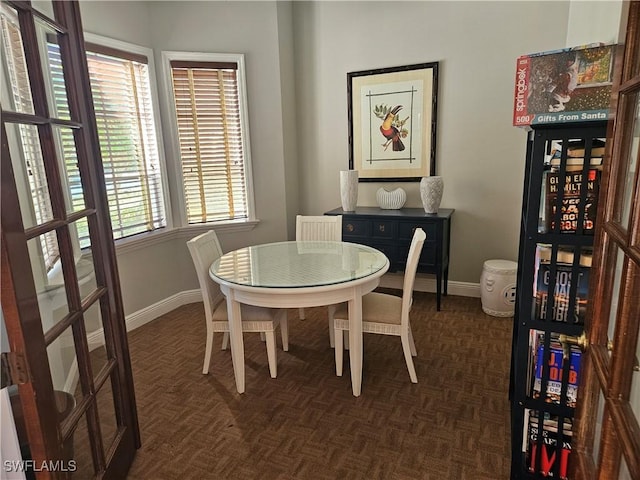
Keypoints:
(210, 117)
(121, 90)
(122, 97)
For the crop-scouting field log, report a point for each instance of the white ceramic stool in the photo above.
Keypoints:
(498, 287)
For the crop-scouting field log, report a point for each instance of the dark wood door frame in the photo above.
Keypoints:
(604, 373)
(27, 340)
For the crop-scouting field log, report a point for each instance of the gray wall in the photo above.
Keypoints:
(297, 57)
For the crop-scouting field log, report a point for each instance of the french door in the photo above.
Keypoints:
(56, 288)
(608, 432)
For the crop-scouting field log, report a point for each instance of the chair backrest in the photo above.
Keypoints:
(320, 227)
(204, 249)
(410, 271)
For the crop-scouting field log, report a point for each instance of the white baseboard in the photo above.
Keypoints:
(425, 283)
(147, 314)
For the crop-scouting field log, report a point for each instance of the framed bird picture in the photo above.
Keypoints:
(392, 122)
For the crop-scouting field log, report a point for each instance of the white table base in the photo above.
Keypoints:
(351, 292)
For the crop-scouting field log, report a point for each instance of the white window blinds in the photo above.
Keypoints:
(121, 93)
(207, 103)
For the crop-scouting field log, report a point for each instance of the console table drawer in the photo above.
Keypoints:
(406, 229)
(427, 261)
(383, 229)
(356, 228)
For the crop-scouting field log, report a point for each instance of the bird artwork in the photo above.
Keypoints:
(392, 128)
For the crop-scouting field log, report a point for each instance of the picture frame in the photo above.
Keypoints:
(392, 122)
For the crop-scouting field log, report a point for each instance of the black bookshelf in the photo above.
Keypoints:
(556, 240)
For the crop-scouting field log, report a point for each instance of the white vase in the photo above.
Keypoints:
(431, 189)
(391, 199)
(349, 189)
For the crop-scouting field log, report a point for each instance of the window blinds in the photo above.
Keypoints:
(207, 106)
(121, 91)
(121, 94)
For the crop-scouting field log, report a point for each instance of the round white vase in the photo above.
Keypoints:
(431, 189)
(349, 189)
(391, 199)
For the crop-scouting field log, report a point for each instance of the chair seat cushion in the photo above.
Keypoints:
(377, 308)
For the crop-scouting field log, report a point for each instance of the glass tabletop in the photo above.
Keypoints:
(298, 264)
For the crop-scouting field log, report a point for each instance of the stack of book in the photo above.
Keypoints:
(576, 153)
(541, 455)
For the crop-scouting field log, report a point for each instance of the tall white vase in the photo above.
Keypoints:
(431, 189)
(349, 189)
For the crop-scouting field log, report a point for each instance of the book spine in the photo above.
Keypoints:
(572, 205)
(561, 292)
(556, 366)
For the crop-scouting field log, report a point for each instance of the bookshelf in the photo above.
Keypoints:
(560, 200)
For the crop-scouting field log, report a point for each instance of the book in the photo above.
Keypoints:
(556, 367)
(562, 289)
(571, 205)
(576, 148)
(545, 452)
(575, 164)
(564, 86)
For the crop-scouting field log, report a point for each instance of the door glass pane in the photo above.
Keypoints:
(98, 353)
(599, 420)
(63, 362)
(30, 177)
(82, 448)
(615, 294)
(634, 397)
(627, 175)
(43, 6)
(53, 71)
(107, 412)
(624, 471)
(48, 279)
(15, 85)
(85, 268)
(72, 186)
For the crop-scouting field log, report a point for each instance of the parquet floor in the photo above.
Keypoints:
(306, 424)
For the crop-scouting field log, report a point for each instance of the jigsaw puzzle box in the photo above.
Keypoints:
(564, 86)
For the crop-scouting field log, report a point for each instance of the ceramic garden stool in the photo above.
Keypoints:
(498, 287)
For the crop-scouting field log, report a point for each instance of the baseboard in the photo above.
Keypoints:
(147, 314)
(428, 284)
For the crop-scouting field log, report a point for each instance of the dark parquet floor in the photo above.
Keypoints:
(306, 424)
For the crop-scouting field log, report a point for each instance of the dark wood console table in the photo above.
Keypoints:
(390, 231)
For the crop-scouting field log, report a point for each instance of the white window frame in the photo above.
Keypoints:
(173, 141)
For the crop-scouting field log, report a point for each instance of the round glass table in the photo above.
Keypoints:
(299, 274)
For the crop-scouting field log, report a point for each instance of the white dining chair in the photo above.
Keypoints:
(321, 228)
(385, 314)
(205, 249)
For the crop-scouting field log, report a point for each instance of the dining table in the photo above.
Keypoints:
(296, 274)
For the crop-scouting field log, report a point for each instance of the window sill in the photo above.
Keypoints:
(145, 240)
